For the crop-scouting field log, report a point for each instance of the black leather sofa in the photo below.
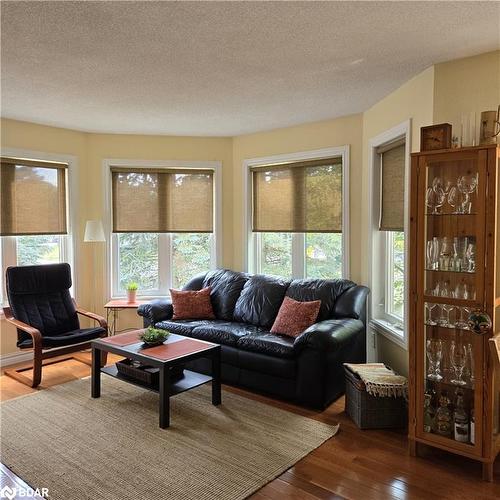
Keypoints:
(306, 370)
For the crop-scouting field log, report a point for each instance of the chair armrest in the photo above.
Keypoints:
(156, 310)
(329, 335)
(102, 322)
(34, 332)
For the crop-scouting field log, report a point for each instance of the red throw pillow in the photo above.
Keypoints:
(294, 317)
(192, 304)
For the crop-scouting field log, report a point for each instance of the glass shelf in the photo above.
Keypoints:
(427, 214)
(450, 271)
(453, 327)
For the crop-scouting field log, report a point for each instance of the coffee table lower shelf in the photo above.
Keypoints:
(190, 380)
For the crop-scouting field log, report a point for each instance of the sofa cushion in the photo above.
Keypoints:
(260, 300)
(280, 346)
(192, 304)
(181, 326)
(69, 338)
(224, 332)
(294, 316)
(218, 331)
(226, 287)
(328, 291)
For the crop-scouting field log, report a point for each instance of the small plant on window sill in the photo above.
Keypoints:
(132, 291)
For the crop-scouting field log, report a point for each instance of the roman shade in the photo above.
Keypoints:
(33, 197)
(392, 171)
(159, 200)
(298, 197)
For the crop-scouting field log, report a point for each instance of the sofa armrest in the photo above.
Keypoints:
(329, 335)
(156, 310)
(352, 303)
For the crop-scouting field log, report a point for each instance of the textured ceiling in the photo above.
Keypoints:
(222, 68)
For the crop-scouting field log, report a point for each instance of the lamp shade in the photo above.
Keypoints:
(94, 231)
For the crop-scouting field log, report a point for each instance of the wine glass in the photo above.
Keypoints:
(448, 308)
(458, 200)
(434, 199)
(462, 320)
(428, 254)
(470, 257)
(458, 357)
(467, 184)
(470, 362)
(434, 355)
(440, 183)
(429, 307)
(442, 319)
(444, 288)
(435, 253)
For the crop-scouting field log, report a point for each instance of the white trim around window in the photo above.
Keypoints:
(251, 243)
(69, 244)
(378, 241)
(111, 287)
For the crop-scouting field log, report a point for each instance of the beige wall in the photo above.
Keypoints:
(466, 85)
(331, 133)
(412, 101)
(91, 150)
(433, 96)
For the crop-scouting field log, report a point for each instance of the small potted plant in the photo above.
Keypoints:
(132, 291)
(154, 336)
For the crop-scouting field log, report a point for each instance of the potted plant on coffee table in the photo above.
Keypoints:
(154, 336)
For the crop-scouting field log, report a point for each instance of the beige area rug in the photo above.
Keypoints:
(112, 448)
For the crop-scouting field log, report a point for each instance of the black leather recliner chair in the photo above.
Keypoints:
(307, 369)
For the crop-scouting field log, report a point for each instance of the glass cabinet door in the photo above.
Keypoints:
(451, 285)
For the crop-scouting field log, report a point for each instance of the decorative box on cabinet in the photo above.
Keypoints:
(454, 271)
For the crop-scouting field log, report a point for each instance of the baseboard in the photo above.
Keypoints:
(15, 357)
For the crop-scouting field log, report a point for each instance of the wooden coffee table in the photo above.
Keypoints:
(175, 351)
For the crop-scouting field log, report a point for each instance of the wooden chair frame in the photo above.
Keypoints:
(39, 355)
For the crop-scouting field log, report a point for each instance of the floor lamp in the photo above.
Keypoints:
(94, 233)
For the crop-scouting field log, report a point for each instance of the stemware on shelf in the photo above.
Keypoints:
(463, 317)
(435, 199)
(434, 350)
(470, 255)
(470, 363)
(448, 308)
(429, 306)
(458, 357)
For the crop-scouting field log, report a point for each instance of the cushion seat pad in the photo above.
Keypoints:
(218, 331)
(69, 338)
(280, 346)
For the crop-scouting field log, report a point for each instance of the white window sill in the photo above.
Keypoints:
(389, 331)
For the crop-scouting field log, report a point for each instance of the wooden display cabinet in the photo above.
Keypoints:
(455, 271)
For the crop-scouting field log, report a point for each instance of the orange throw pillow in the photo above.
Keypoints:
(192, 304)
(294, 317)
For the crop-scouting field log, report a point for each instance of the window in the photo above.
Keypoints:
(163, 227)
(388, 276)
(31, 187)
(297, 216)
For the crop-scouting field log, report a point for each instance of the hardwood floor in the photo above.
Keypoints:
(354, 464)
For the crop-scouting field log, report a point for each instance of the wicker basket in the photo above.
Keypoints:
(370, 412)
(147, 375)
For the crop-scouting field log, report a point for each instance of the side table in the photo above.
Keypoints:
(113, 307)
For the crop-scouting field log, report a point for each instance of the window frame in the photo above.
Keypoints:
(252, 240)
(111, 288)
(380, 250)
(68, 242)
